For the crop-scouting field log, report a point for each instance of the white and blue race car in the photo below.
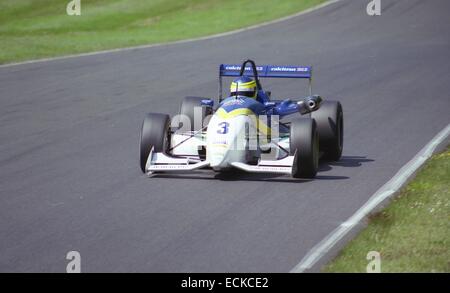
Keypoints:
(246, 133)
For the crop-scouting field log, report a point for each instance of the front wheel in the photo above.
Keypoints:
(154, 134)
(304, 146)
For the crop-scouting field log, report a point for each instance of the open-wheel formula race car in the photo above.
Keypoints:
(245, 131)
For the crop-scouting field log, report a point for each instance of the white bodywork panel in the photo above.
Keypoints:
(186, 145)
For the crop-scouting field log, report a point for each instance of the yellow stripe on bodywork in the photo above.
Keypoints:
(233, 113)
(262, 127)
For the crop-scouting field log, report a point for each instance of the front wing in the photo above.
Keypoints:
(160, 162)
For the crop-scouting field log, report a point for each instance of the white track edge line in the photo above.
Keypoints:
(175, 42)
(387, 190)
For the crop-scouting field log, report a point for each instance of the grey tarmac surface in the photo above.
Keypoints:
(69, 130)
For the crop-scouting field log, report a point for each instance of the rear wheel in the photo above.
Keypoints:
(154, 134)
(304, 145)
(188, 109)
(330, 125)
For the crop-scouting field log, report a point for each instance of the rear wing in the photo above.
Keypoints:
(264, 71)
(274, 71)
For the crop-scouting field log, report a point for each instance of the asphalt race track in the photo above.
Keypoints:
(69, 130)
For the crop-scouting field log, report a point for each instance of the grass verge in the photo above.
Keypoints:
(31, 29)
(413, 233)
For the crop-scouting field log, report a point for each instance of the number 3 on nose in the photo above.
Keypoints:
(223, 128)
